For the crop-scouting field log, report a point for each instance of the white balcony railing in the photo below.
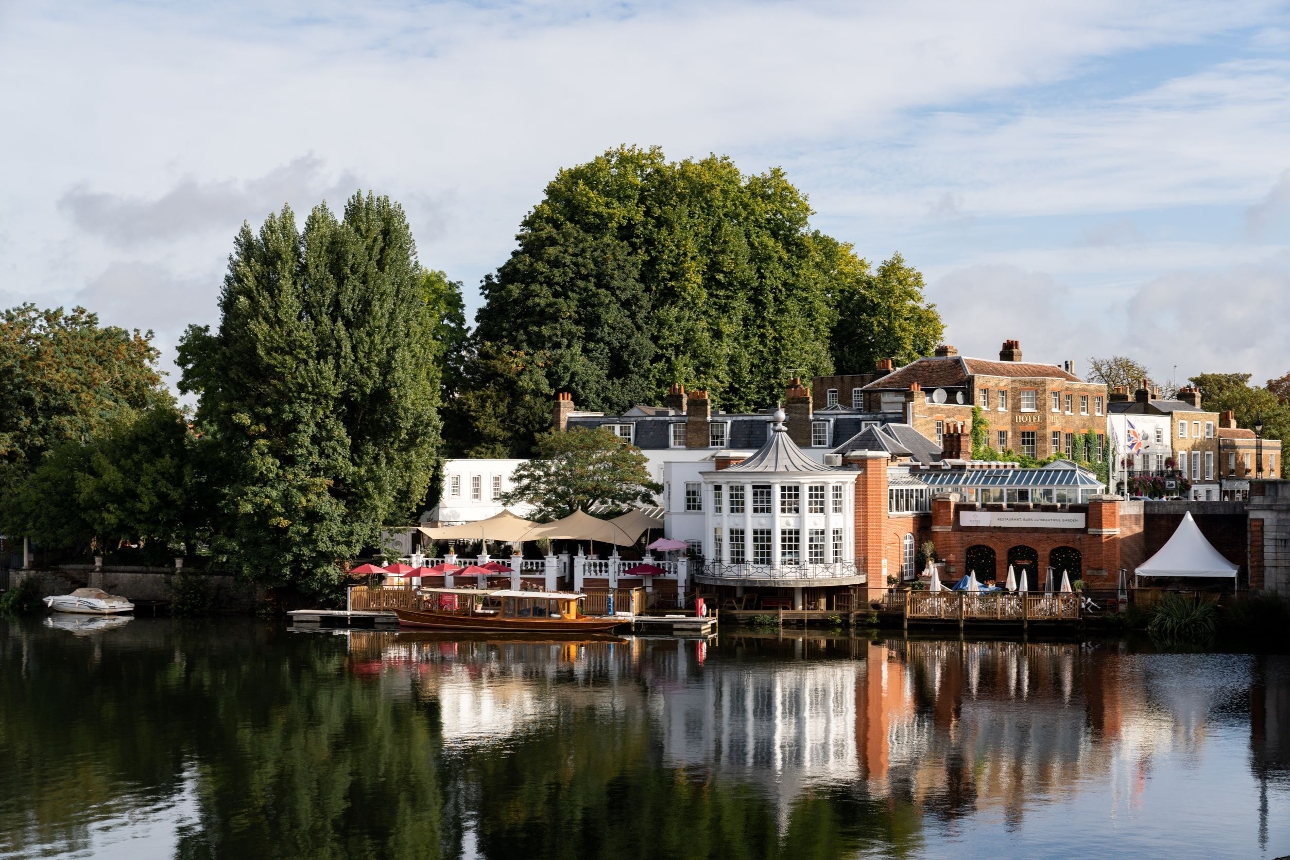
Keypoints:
(772, 574)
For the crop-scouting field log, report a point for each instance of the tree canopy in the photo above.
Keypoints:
(63, 378)
(880, 314)
(1119, 371)
(139, 483)
(578, 469)
(1223, 391)
(321, 387)
(633, 273)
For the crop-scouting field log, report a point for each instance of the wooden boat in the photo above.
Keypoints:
(515, 612)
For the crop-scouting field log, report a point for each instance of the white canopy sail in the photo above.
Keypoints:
(1187, 553)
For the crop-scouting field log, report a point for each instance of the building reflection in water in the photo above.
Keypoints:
(951, 727)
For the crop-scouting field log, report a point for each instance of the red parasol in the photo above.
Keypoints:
(399, 569)
(474, 570)
(366, 570)
(644, 570)
(441, 568)
(498, 567)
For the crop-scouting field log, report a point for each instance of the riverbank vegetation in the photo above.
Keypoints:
(342, 370)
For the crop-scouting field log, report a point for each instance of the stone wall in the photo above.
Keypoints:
(1269, 513)
(135, 586)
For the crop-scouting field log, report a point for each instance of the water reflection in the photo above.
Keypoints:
(213, 740)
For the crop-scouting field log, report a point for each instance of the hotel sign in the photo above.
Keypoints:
(1021, 519)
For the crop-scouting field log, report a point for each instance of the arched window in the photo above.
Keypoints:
(1067, 559)
(980, 560)
(907, 569)
(1024, 561)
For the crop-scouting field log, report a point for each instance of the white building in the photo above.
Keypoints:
(472, 490)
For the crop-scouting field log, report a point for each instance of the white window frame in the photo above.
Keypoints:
(815, 498)
(1209, 465)
(476, 488)
(790, 499)
(717, 506)
(1182, 429)
(723, 429)
(716, 544)
(836, 547)
(819, 434)
(790, 546)
(495, 490)
(1195, 429)
(1056, 442)
(857, 398)
(815, 547)
(763, 553)
(1083, 404)
(738, 546)
(676, 435)
(940, 432)
(693, 497)
(738, 499)
(1195, 466)
(1160, 436)
(837, 498)
(767, 491)
(1069, 402)
(618, 430)
(1231, 463)
(1031, 397)
(1099, 403)
(1002, 438)
(908, 560)
(831, 397)
(1209, 429)
(1034, 442)
(454, 485)
(1003, 400)
(984, 396)
(1057, 401)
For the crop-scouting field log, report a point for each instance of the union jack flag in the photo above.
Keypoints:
(1136, 441)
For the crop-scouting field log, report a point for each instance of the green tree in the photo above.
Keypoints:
(1221, 392)
(320, 387)
(450, 333)
(881, 314)
(138, 483)
(633, 273)
(64, 378)
(576, 469)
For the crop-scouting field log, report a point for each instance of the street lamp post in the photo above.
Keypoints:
(1258, 447)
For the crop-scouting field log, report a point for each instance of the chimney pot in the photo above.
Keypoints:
(946, 351)
(1011, 351)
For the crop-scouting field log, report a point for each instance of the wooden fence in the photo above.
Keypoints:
(964, 606)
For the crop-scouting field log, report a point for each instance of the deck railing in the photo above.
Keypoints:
(389, 597)
(787, 574)
(955, 605)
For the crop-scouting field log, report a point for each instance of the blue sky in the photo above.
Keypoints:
(1086, 177)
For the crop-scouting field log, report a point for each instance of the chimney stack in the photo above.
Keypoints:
(675, 399)
(1119, 395)
(799, 412)
(698, 415)
(1227, 420)
(884, 366)
(1189, 395)
(955, 444)
(1069, 366)
(1011, 351)
(563, 409)
(1143, 394)
(946, 351)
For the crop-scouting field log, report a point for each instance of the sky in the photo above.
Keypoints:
(1089, 178)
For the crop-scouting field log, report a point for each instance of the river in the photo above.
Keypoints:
(244, 739)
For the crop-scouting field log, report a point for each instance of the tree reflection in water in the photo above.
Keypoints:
(401, 745)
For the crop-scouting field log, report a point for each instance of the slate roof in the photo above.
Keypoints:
(779, 454)
(900, 440)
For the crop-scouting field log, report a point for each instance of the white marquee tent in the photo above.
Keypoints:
(1187, 553)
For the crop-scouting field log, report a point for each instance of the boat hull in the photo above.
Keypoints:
(76, 606)
(490, 624)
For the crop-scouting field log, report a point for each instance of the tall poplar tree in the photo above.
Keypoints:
(320, 386)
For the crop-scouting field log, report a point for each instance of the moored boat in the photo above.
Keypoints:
(502, 611)
(89, 601)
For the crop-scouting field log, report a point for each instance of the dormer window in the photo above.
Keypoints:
(831, 397)
(717, 434)
(678, 435)
(819, 434)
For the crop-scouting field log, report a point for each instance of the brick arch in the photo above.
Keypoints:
(1067, 558)
(1024, 559)
(982, 560)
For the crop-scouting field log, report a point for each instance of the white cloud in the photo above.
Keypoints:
(149, 133)
(1272, 210)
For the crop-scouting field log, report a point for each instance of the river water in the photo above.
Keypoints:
(243, 739)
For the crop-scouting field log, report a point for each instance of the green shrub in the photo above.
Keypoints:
(1182, 620)
(190, 594)
(765, 621)
(23, 598)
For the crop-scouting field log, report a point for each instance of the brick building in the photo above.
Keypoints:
(1034, 409)
(1238, 458)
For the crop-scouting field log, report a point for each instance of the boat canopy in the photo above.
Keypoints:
(1187, 553)
(539, 595)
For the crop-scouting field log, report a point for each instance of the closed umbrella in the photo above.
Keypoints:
(935, 584)
(1023, 583)
(973, 586)
(1066, 583)
(1048, 581)
(1011, 584)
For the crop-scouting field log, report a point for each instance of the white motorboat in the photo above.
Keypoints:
(84, 625)
(89, 601)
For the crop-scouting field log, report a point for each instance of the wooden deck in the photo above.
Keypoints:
(342, 618)
(675, 625)
(962, 608)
